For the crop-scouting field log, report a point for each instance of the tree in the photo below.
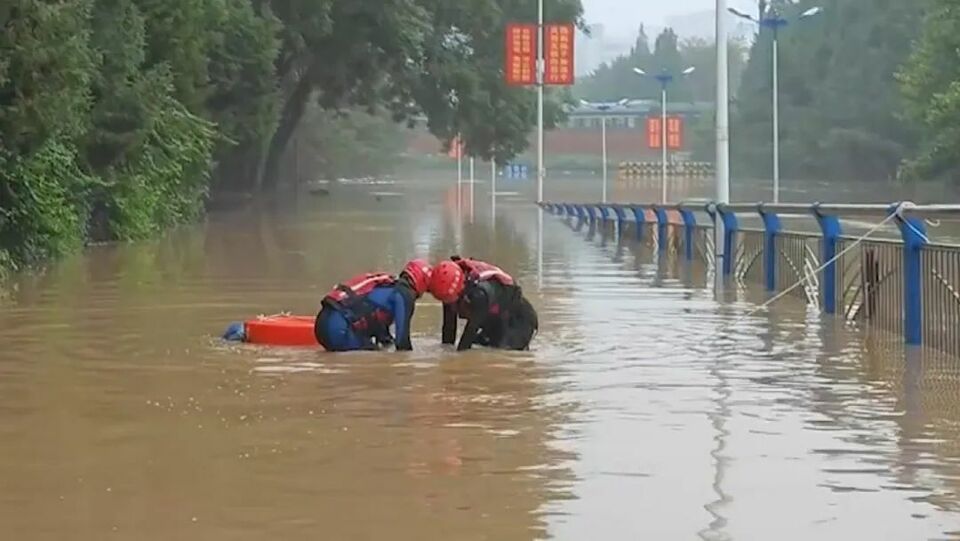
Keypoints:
(840, 106)
(45, 73)
(930, 81)
(617, 80)
(377, 43)
(116, 114)
(244, 96)
(349, 143)
(410, 56)
(461, 87)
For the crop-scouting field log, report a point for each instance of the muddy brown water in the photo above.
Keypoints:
(122, 416)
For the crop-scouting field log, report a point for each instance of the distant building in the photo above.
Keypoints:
(580, 135)
(632, 115)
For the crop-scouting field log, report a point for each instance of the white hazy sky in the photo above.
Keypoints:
(625, 16)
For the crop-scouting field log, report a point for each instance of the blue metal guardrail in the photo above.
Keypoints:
(907, 285)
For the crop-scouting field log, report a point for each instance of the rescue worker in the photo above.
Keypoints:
(497, 313)
(357, 314)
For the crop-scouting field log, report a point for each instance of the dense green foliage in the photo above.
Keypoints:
(869, 90)
(616, 80)
(841, 109)
(931, 87)
(352, 143)
(118, 116)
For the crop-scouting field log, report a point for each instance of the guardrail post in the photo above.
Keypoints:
(621, 218)
(638, 215)
(771, 228)
(689, 225)
(831, 231)
(591, 213)
(603, 213)
(914, 233)
(730, 228)
(662, 222)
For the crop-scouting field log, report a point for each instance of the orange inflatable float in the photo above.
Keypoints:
(278, 330)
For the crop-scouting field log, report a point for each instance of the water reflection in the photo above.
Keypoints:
(786, 410)
(638, 414)
(123, 418)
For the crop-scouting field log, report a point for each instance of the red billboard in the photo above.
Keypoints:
(521, 54)
(558, 46)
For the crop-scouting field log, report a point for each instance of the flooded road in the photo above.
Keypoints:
(635, 415)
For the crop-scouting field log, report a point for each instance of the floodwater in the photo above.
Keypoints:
(639, 413)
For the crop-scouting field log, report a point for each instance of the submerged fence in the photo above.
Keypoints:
(906, 284)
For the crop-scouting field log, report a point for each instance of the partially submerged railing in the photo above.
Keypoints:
(907, 285)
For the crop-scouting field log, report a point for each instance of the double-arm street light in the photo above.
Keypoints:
(775, 22)
(604, 108)
(664, 78)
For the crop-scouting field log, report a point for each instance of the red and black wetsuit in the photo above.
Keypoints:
(497, 314)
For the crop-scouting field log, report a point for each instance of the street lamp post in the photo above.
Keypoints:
(540, 83)
(664, 78)
(473, 181)
(722, 166)
(493, 190)
(459, 174)
(457, 145)
(775, 22)
(604, 108)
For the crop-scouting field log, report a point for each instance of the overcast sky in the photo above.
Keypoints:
(625, 16)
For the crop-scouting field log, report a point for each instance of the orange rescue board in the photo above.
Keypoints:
(281, 331)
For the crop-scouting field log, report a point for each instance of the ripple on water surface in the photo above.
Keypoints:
(639, 413)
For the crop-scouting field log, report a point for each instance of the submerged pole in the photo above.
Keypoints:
(723, 139)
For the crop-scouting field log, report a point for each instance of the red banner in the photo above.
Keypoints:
(654, 136)
(558, 45)
(674, 133)
(521, 54)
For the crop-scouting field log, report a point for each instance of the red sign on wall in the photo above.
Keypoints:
(653, 132)
(674, 133)
(521, 54)
(558, 45)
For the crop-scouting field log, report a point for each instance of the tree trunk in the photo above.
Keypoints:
(237, 169)
(293, 111)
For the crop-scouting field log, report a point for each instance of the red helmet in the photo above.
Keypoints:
(447, 282)
(419, 272)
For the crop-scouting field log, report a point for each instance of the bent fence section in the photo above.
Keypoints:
(906, 284)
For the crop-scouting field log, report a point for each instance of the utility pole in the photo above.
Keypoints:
(723, 140)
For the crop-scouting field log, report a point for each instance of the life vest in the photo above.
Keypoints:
(479, 271)
(359, 286)
(350, 299)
